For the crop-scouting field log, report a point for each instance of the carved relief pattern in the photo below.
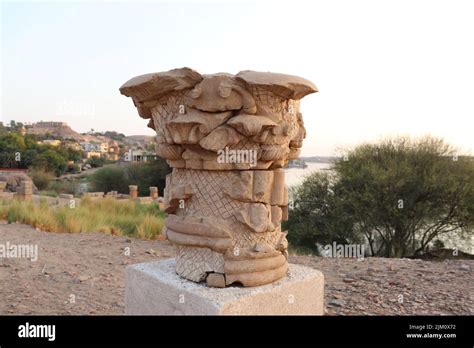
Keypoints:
(225, 213)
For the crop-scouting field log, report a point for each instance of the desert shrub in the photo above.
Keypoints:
(49, 193)
(41, 179)
(109, 179)
(398, 195)
(62, 187)
(147, 174)
(118, 178)
(96, 162)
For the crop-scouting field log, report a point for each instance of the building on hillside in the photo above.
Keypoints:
(90, 154)
(52, 142)
(49, 124)
(41, 128)
(90, 146)
(139, 156)
(114, 151)
(104, 147)
(73, 145)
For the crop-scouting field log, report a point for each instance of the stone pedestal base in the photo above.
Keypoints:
(155, 289)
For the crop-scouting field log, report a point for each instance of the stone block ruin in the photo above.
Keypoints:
(227, 138)
(25, 191)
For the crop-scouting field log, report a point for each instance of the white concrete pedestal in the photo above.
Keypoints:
(155, 289)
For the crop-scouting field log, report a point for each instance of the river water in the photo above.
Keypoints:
(295, 176)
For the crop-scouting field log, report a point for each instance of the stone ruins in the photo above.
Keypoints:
(227, 138)
(25, 191)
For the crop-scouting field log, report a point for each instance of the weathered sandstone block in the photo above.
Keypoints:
(227, 138)
(154, 192)
(133, 190)
(154, 288)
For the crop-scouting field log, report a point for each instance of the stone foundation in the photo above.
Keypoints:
(155, 289)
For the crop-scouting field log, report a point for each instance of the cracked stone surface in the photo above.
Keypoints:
(227, 138)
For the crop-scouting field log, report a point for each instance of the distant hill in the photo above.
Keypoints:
(140, 138)
(56, 129)
(63, 130)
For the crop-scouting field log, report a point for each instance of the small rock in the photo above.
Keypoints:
(348, 280)
(337, 303)
(83, 278)
(216, 280)
(464, 268)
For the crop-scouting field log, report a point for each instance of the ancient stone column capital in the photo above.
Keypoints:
(227, 138)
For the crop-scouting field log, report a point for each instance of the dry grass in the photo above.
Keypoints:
(106, 215)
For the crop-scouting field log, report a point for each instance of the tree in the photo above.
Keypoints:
(12, 147)
(118, 178)
(317, 216)
(50, 161)
(109, 179)
(145, 175)
(96, 161)
(70, 153)
(399, 195)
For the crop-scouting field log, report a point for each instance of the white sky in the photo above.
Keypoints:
(382, 67)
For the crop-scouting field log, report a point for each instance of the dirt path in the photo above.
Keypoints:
(84, 274)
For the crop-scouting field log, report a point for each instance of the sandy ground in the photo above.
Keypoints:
(84, 274)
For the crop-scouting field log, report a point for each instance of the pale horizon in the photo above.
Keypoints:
(382, 69)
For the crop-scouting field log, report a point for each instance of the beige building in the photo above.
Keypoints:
(52, 142)
(139, 156)
(90, 154)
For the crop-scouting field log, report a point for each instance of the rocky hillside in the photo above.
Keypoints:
(57, 129)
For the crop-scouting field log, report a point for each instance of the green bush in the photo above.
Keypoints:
(33, 154)
(398, 196)
(147, 174)
(62, 187)
(109, 179)
(41, 179)
(50, 161)
(118, 178)
(96, 162)
(49, 193)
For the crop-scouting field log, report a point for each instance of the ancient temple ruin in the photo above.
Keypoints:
(227, 138)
